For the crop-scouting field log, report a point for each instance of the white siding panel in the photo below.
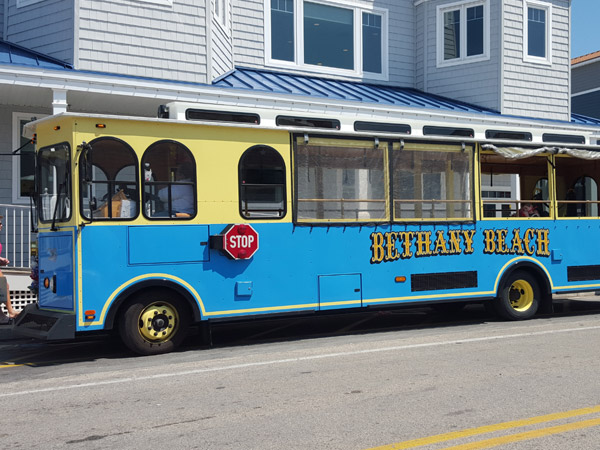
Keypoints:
(48, 30)
(144, 39)
(530, 89)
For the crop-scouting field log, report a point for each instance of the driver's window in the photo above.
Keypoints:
(110, 189)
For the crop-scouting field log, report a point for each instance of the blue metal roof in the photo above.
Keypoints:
(21, 56)
(313, 86)
(584, 120)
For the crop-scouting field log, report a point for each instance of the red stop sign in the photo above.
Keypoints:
(240, 241)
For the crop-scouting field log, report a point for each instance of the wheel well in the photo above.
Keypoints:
(132, 291)
(534, 270)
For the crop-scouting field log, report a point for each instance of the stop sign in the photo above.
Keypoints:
(240, 241)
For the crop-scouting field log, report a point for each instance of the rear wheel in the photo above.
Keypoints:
(154, 322)
(519, 297)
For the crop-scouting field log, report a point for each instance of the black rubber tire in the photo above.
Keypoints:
(130, 322)
(519, 297)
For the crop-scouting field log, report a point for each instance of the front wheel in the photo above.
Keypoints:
(154, 322)
(519, 297)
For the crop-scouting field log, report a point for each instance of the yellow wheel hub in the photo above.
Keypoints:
(521, 295)
(158, 322)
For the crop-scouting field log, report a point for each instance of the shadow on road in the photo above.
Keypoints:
(265, 330)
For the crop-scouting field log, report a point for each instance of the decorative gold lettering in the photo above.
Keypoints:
(440, 245)
(390, 246)
(490, 243)
(468, 240)
(406, 237)
(517, 243)
(501, 241)
(377, 251)
(527, 238)
(543, 242)
(454, 236)
(423, 243)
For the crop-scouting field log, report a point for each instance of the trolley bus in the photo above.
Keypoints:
(148, 226)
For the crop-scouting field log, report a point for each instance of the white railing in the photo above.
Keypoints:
(16, 235)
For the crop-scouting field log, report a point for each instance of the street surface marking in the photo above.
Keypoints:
(527, 435)
(135, 379)
(7, 366)
(499, 427)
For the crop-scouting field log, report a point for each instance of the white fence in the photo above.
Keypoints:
(16, 236)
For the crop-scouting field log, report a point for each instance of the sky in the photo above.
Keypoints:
(585, 32)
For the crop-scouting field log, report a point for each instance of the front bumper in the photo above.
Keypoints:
(47, 325)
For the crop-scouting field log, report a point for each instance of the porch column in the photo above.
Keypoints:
(59, 101)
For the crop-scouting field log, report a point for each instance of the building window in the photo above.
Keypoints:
(221, 12)
(536, 28)
(328, 38)
(372, 46)
(169, 181)
(262, 183)
(23, 164)
(463, 33)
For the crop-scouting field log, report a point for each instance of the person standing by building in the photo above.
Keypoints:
(4, 262)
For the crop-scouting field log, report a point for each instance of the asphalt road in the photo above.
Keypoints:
(399, 379)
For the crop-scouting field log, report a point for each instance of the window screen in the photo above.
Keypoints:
(432, 181)
(340, 180)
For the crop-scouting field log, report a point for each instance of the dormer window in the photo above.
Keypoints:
(325, 37)
(463, 32)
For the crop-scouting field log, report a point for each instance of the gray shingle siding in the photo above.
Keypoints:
(531, 89)
(587, 104)
(2, 16)
(249, 37)
(585, 77)
(47, 29)
(144, 39)
(473, 82)
(248, 33)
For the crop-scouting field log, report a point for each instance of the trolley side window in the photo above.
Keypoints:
(262, 183)
(514, 186)
(341, 180)
(577, 186)
(109, 180)
(54, 178)
(432, 182)
(169, 181)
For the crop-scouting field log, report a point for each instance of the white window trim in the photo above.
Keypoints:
(298, 63)
(548, 8)
(16, 161)
(462, 6)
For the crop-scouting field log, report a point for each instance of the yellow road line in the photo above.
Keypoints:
(488, 429)
(534, 434)
(7, 366)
